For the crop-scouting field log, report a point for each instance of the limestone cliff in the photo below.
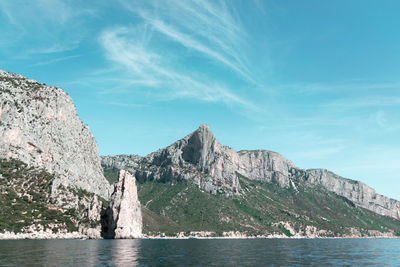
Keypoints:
(39, 125)
(358, 192)
(266, 166)
(199, 157)
(123, 219)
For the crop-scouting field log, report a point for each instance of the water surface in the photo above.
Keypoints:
(214, 252)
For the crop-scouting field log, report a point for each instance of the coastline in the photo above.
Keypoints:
(44, 235)
(272, 237)
(41, 236)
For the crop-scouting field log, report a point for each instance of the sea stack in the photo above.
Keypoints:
(123, 219)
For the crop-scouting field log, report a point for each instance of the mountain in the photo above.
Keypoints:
(53, 184)
(248, 183)
(40, 132)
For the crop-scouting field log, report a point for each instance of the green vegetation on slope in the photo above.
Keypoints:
(24, 199)
(112, 175)
(313, 206)
(186, 208)
(262, 208)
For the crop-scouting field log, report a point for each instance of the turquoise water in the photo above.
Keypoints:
(217, 252)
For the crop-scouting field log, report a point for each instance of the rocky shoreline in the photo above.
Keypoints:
(46, 235)
(41, 235)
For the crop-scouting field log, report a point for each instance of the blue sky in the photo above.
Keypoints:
(317, 81)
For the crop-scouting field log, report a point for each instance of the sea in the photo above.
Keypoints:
(201, 252)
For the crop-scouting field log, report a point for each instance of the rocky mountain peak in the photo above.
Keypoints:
(204, 126)
(200, 144)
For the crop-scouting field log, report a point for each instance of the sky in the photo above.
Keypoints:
(317, 81)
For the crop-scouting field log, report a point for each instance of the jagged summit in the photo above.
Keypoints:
(204, 126)
(200, 144)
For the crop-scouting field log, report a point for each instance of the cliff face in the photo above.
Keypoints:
(199, 158)
(39, 125)
(266, 166)
(355, 191)
(123, 219)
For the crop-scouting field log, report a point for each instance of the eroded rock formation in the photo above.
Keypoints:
(123, 219)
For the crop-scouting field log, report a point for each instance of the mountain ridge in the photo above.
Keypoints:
(52, 184)
(201, 158)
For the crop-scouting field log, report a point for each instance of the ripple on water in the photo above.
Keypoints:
(210, 252)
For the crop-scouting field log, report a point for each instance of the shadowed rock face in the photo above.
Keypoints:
(199, 158)
(39, 125)
(200, 146)
(123, 219)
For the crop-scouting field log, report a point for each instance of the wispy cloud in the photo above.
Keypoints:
(54, 60)
(130, 105)
(126, 47)
(188, 42)
(385, 122)
(207, 27)
(27, 14)
(357, 86)
(48, 26)
(367, 101)
(53, 48)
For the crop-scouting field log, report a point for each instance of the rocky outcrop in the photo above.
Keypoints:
(200, 158)
(197, 157)
(266, 166)
(41, 234)
(123, 219)
(355, 191)
(39, 125)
